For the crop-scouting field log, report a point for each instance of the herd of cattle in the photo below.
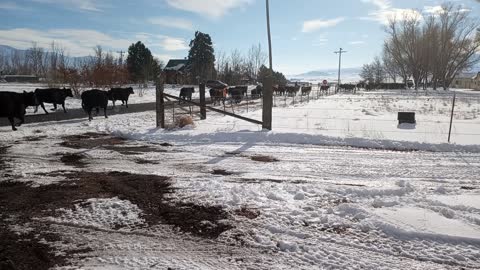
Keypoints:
(218, 95)
(13, 105)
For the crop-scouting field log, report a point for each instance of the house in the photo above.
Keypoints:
(177, 71)
(467, 81)
(20, 78)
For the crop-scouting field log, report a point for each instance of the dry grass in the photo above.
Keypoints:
(183, 121)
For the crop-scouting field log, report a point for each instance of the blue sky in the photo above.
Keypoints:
(305, 33)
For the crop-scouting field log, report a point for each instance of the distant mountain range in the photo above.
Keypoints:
(9, 51)
(347, 75)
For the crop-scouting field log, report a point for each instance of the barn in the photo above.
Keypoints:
(177, 71)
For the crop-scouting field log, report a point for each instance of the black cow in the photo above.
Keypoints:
(292, 90)
(186, 93)
(218, 95)
(13, 105)
(122, 94)
(347, 87)
(94, 99)
(54, 96)
(306, 90)
(257, 92)
(236, 93)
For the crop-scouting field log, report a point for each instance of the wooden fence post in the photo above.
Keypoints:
(160, 104)
(451, 116)
(203, 109)
(267, 103)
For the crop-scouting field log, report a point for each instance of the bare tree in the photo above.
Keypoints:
(458, 45)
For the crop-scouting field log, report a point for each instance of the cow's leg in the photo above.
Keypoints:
(22, 120)
(63, 106)
(90, 118)
(113, 101)
(43, 107)
(105, 111)
(12, 122)
(54, 107)
(126, 103)
(36, 109)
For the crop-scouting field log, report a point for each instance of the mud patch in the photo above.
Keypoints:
(34, 138)
(133, 150)
(266, 159)
(3, 159)
(21, 204)
(221, 172)
(145, 161)
(146, 191)
(166, 144)
(108, 142)
(28, 251)
(90, 141)
(73, 159)
(247, 212)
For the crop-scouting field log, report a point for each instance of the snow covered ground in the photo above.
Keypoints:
(320, 205)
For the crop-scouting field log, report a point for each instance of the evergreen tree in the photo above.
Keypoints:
(278, 77)
(201, 57)
(141, 64)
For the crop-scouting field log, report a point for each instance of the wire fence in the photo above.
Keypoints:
(363, 114)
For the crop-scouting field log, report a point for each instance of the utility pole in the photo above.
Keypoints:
(339, 66)
(268, 87)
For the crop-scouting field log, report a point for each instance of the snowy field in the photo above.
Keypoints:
(315, 207)
(295, 197)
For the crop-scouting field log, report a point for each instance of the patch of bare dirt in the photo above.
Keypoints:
(21, 203)
(262, 158)
(3, 159)
(247, 212)
(27, 251)
(34, 138)
(146, 191)
(166, 144)
(221, 172)
(133, 150)
(146, 161)
(73, 159)
(90, 141)
(105, 141)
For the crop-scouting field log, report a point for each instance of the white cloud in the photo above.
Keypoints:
(209, 8)
(313, 25)
(386, 12)
(173, 44)
(172, 22)
(77, 42)
(380, 4)
(433, 9)
(166, 43)
(85, 5)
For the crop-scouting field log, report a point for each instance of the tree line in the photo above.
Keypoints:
(430, 50)
(104, 69)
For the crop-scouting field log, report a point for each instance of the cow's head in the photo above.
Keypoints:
(130, 90)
